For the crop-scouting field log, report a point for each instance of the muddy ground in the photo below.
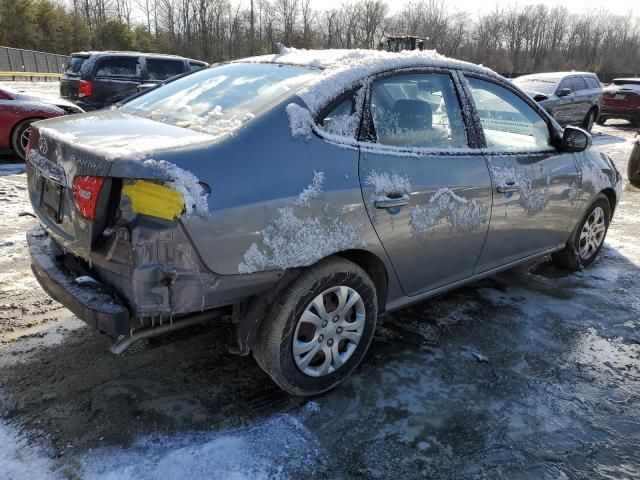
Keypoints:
(531, 374)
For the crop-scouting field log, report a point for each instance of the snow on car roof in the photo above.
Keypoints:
(88, 53)
(343, 69)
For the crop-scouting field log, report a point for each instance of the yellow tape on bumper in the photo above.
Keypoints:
(149, 198)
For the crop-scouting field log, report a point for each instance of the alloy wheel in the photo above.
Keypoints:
(592, 233)
(328, 331)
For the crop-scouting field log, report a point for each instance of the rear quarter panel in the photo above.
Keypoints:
(258, 219)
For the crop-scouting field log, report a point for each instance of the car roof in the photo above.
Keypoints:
(123, 53)
(635, 80)
(557, 75)
(342, 70)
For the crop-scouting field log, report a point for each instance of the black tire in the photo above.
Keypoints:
(587, 123)
(273, 349)
(18, 135)
(570, 258)
(601, 120)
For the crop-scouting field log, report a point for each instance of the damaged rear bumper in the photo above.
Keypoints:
(91, 301)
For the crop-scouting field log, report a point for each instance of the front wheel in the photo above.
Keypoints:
(319, 330)
(587, 123)
(587, 240)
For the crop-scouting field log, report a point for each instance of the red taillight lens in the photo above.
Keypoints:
(86, 191)
(84, 88)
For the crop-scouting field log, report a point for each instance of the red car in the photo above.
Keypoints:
(622, 100)
(18, 110)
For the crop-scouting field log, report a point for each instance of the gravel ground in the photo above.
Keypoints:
(531, 374)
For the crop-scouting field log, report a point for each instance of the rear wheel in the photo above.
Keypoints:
(319, 330)
(587, 123)
(587, 240)
(20, 136)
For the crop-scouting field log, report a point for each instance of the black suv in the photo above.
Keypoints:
(95, 80)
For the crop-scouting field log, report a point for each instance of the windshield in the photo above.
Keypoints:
(218, 100)
(537, 85)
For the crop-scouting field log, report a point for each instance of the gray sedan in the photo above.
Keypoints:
(571, 98)
(303, 194)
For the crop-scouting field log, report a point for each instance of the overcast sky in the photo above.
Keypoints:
(621, 7)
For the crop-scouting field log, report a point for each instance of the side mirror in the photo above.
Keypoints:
(575, 139)
(564, 92)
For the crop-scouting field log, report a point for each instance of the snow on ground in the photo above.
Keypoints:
(51, 89)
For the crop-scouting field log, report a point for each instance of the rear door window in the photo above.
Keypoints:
(161, 69)
(578, 84)
(417, 111)
(123, 67)
(592, 82)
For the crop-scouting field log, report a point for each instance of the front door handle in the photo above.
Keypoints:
(388, 202)
(507, 187)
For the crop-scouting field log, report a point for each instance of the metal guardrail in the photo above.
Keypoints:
(18, 63)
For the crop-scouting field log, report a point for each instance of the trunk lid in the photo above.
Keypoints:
(91, 145)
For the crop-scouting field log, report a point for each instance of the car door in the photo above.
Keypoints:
(427, 193)
(582, 99)
(535, 185)
(563, 105)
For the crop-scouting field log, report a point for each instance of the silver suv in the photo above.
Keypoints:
(571, 98)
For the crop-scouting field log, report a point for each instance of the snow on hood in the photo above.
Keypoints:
(343, 69)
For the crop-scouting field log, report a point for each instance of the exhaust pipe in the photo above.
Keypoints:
(124, 341)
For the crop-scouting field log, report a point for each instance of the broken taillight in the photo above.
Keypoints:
(86, 191)
(84, 88)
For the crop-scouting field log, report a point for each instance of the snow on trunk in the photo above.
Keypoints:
(193, 194)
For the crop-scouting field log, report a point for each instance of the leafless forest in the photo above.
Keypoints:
(510, 40)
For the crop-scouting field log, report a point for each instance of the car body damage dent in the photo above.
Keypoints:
(193, 193)
(594, 179)
(295, 240)
(533, 199)
(149, 198)
(461, 214)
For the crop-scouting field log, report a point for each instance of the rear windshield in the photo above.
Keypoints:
(161, 69)
(74, 64)
(220, 99)
(537, 85)
(628, 84)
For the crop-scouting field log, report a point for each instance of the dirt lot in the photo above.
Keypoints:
(531, 374)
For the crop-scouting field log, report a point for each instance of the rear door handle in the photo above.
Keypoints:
(507, 187)
(388, 202)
